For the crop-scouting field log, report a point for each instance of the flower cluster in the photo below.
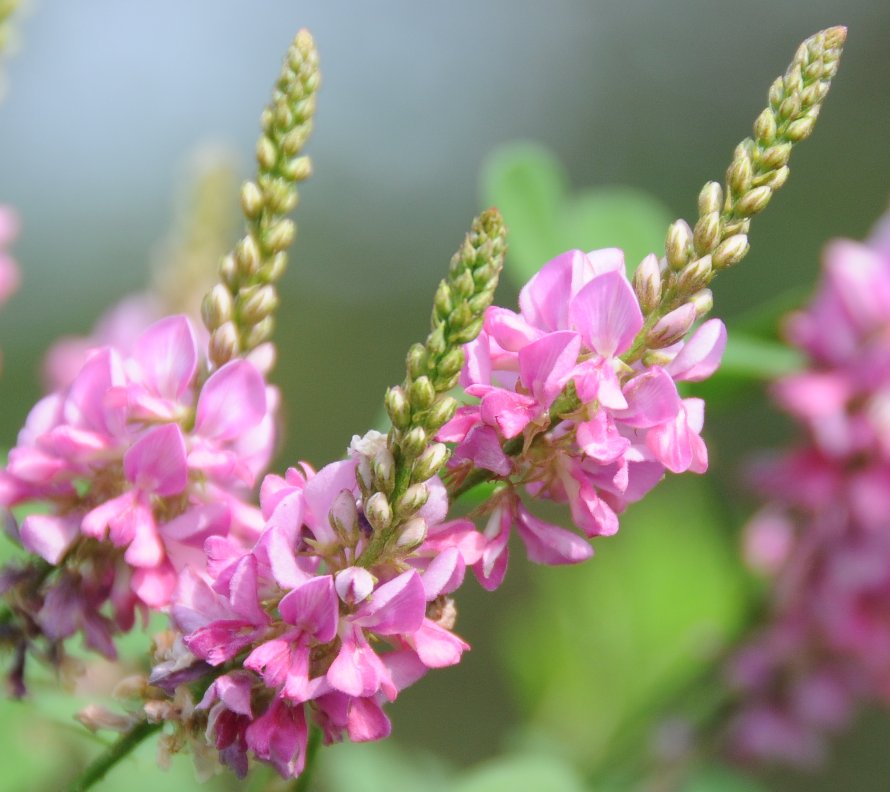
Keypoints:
(147, 452)
(627, 424)
(304, 629)
(823, 538)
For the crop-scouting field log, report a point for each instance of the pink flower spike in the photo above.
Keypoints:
(701, 354)
(607, 314)
(232, 401)
(312, 607)
(156, 463)
(395, 607)
(546, 365)
(167, 355)
(549, 544)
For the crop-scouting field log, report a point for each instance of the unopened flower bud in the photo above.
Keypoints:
(397, 407)
(754, 202)
(647, 283)
(255, 303)
(464, 285)
(765, 127)
(695, 276)
(707, 232)
(223, 345)
(451, 363)
(422, 393)
(730, 251)
(775, 156)
(800, 129)
(414, 442)
(354, 585)
(416, 361)
(790, 106)
(378, 511)
(343, 517)
(740, 174)
(678, 245)
(384, 468)
(281, 197)
(280, 235)
(298, 169)
(251, 200)
(439, 414)
(364, 476)
(710, 199)
(415, 498)
(775, 179)
(247, 256)
(266, 153)
(703, 302)
(671, 327)
(217, 307)
(430, 462)
(258, 333)
(228, 272)
(412, 533)
(442, 303)
(272, 270)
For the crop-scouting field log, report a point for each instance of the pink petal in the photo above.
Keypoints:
(233, 690)
(457, 428)
(510, 330)
(48, 536)
(232, 401)
(271, 660)
(244, 592)
(482, 448)
(366, 721)
(444, 574)
(313, 608)
(546, 365)
(701, 354)
(279, 736)
(437, 647)
(549, 544)
(167, 355)
(395, 607)
(652, 399)
(607, 314)
(220, 641)
(544, 300)
(354, 585)
(599, 439)
(155, 586)
(156, 463)
(509, 412)
(95, 523)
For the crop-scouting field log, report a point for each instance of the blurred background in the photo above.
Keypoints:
(107, 104)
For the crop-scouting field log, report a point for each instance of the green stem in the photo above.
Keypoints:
(302, 783)
(96, 771)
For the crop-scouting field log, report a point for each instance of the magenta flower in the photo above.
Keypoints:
(822, 539)
(142, 454)
(577, 317)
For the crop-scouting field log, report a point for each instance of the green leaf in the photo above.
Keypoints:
(378, 767)
(595, 649)
(721, 779)
(512, 773)
(530, 187)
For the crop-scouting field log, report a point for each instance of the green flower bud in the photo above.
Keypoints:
(430, 462)
(398, 407)
(378, 511)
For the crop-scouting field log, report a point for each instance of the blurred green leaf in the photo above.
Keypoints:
(514, 773)
(721, 779)
(378, 767)
(596, 648)
(531, 188)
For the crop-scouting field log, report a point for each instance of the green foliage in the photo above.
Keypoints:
(714, 778)
(615, 637)
(530, 187)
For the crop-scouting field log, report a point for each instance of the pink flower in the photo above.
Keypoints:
(577, 317)
(822, 538)
(141, 454)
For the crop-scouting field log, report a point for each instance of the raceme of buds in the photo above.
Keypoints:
(249, 274)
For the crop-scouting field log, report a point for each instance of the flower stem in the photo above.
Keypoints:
(112, 755)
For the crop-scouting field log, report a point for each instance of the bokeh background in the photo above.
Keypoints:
(107, 103)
